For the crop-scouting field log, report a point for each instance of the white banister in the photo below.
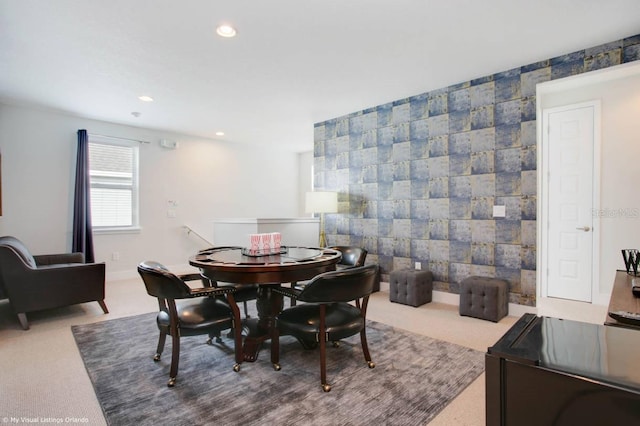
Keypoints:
(191, 231)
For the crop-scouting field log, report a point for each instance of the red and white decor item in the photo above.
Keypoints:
(265, 242)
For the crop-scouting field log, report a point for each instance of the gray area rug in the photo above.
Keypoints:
(414, 379)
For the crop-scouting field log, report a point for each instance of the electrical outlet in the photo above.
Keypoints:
(115, 255)
(418, 265)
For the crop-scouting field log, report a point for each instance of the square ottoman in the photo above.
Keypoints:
(484, 298)
(410, 287)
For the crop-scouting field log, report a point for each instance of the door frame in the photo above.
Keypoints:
(542, 270)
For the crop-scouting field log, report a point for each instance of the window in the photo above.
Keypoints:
(114, 184)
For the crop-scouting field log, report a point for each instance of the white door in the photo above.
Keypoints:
(570, 216)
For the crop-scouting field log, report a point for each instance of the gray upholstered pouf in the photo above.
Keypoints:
(410, 287)
(484, 298)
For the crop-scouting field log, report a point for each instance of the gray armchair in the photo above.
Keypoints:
(33, 283)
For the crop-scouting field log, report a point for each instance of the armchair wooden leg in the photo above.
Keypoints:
(365, 348)
(175, 359)
(160, 348)
(275, 348)
(322, 337)
(103, 306)
(22, 317)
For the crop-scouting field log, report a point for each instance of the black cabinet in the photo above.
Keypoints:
(548, 371)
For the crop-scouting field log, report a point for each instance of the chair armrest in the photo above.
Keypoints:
(286, 291)
(211, 291)
(190, 277)
(60, 258)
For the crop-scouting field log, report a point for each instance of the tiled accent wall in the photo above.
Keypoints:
(418, 178)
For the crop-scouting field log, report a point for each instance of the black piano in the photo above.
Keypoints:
(553, 372)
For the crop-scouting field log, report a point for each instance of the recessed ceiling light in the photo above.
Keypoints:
(226, 31)
(219, 133)
(145, 98)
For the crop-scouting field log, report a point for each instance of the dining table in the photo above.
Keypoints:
(240, 266)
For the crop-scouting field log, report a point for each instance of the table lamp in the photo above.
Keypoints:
(321, 202)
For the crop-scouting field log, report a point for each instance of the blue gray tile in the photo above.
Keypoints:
(460, 251)
(460, 230)
(508, 183)
(460, 208)
(439, 146)
(482, 95)
(418, 105)
(420, 250)
(402, 170)
(509, 112)
(420, 209)
(483, 117)
(508, 160)
(459, 164)
(508, 136)
(507, 231)
(439, 229)
(460, 143)
(483, 185)
(483, 254)
(508, 256)
(482, 207)
(439, 187)
(483, 231)
(459, 121)
(460, 187)
(482, 162)
(437, 105)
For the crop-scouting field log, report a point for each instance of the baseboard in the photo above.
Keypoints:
(515, 310)
(132, 274)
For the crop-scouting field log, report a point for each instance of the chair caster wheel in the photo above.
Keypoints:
(209, 341)
(276, 367)
(326, 387)
(218, 339)
(172, 382)
(156, 357)
(371, 364)
(236, 367)
(336, 344)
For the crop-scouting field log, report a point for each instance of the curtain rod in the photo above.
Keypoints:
(117, 137)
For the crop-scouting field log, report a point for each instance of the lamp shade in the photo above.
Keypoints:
(321, 202)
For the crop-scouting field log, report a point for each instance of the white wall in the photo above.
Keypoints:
(207, 178)
(620, 165)
(305, 160)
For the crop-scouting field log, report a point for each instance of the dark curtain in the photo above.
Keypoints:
(82, 235)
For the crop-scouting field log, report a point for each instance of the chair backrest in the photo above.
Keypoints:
(161, 283)
(16, 247)
(340, 286)
(351, 256)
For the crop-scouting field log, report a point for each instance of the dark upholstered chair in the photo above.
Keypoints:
(327, 314)
(351, 256)
(34, 283)
(202, 311)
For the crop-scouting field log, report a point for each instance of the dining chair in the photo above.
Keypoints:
(186, 311)
(352, 256)
(326, 314)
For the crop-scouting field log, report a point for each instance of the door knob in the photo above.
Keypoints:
(584, 228)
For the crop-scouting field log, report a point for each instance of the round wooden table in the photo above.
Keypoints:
(237, 265)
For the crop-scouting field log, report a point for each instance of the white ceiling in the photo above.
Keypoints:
(293, 63)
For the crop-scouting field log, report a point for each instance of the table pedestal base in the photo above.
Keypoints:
(259, 329)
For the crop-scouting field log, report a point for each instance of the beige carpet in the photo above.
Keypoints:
(43, 374)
